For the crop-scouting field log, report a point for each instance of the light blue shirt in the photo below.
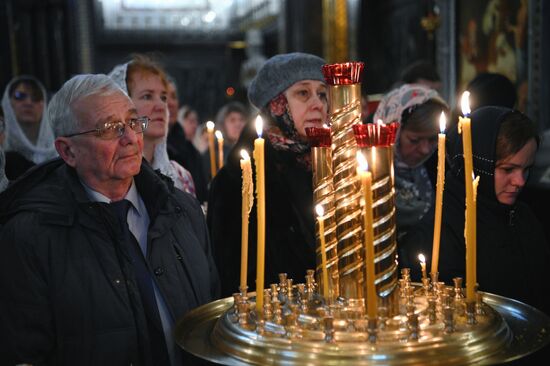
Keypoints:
(138, 223)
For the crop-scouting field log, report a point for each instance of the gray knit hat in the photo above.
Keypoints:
(280, 72)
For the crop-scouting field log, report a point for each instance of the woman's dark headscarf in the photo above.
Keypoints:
(486, 123)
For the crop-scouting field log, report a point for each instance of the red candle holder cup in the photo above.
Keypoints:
(346, 73)
(319, 136)
(374, 134)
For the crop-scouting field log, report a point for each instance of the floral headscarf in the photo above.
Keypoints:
(414, 192)
(400, 100)
(282, 133)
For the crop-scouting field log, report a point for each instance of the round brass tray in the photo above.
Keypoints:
(522, 331)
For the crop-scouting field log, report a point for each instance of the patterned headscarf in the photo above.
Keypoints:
(16, 140)
(414, 191)
(400, 100)
(282, 133)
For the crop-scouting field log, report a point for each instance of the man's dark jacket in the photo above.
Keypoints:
(68, 294)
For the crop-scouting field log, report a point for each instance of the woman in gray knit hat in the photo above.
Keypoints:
(290, 92)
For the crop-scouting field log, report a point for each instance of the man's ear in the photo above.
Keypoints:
(65, 149)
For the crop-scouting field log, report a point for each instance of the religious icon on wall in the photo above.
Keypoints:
(493, 38)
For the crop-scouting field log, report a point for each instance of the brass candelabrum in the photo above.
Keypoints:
(428, 323)
(323, 194)
(297, 327)
(344, 90)
(376, 144)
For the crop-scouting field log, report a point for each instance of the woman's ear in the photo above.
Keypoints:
(65, 148)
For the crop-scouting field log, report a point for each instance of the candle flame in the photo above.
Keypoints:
(259, 125)
(219, 135)
(473, 176)
(325, 125)
(465, 103)
(319, 210)
(442, 122)
(210, 125)
(380, 122)
(421, 258)
(244, 154)
(362, 163)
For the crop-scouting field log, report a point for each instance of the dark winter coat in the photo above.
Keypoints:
(512, 253)
(290, 236)
(68, 294)
(182, 150)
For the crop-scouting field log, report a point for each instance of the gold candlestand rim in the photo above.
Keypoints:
(530, 330)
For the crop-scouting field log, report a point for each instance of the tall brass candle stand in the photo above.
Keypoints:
(323, 194)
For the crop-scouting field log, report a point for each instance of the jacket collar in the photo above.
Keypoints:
(54, 189)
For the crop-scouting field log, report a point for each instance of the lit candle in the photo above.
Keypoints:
(320, 218)
(422, 260)
(219, 138)
(366, 184)
(260, 210)
(439, 192)
(247, 202)
(475, 183)
(210, 129)
(464, 128)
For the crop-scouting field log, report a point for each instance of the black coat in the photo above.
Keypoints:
(290, 235)
(68, 291)
(512, 253)
(16, 165)
(184, 152)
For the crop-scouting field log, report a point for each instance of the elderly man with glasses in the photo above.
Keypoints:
(100, 254)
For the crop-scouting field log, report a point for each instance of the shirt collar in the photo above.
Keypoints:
(132, 195)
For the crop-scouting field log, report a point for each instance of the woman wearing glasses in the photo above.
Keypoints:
(28, 135)
(146, 84)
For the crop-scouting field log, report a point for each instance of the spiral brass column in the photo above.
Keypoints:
(376, 144)
(323, 194)
(345, 111)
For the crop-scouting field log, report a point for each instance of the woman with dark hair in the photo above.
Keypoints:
(290, 92)
(417, 109)
(189, 121)
(512, 253)
(491, 89)
(230, 121)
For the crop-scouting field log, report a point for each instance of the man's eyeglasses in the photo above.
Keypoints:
(20, 96)
(115, 130)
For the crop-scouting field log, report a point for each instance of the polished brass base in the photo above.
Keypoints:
(505, 330)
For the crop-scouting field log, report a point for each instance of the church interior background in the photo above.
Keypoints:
(213, 47)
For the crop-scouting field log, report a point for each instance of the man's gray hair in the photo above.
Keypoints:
(60, 109)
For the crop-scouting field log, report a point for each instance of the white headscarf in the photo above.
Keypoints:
(160, 155)
(3, 179)
(16, 140)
